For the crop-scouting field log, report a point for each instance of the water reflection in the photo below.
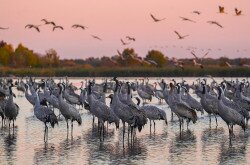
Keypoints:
(211, 138)
(69, 150)
(199, 145)
(10, 145)
(45, 153)
(235, 154)
(111, 149)
(182, 148)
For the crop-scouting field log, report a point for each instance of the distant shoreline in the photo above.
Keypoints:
(126, 72)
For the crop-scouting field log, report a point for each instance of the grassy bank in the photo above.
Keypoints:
(127, 72)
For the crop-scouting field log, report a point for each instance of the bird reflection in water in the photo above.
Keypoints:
(45, 153)
(10, 146)
(233, 154)
(182, 149)
(211, 139)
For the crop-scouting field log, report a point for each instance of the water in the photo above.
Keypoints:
(198, 145)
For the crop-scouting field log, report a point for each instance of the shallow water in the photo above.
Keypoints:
(200, 144)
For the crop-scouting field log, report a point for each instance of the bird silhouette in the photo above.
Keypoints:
(196, 12)
(187, 19)
(96, 37)
(120, 55)
(79, 26)
(33, 26)
(46, 22)
(197, 58)
(130, 38)
(124, 43)
(152, 62)
(180, 37)
(57, 27)
(195, 63)
(177, 63)
(156, 19)
(238, 12)
(4, 28)
(215, 23)
(222, 10)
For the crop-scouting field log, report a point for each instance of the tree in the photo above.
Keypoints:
(5, 53)
(23, 57)
(157, 56)
(51, 58)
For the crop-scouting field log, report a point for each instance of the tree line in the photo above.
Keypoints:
(23, 57)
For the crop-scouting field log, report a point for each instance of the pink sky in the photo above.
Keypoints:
(114, 19)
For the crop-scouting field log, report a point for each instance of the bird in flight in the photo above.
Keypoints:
(238, 12)
(187, 19)
(33, 26)
(79, 26)
(180, 37)
(227, 64)
(177, 63)
(46, 22)
(124, 43)
(222, 10)
(96, 37)
(120, 54)
(4, 28)
(57, 27)
(197, 64)
(196, 12)
(152, 62)
(197, 58)
(215, 23)
(156, 19)
(130, 38)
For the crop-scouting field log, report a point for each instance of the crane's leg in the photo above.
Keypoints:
(13, 126)
(129, 129)
(233, 131)
(180, 124)
(44, 139)
(154, 126)
(67, 127)
(103, 130)
(9, 126)
(123, 132)
(93, 120)
(172, 116)
(132, 136)
(150, 126)
(47, 130)
(182, 121)
(71, 127)
(100, 133)
(247, 123)
(216, 120)
(230, 135)
(210, 120)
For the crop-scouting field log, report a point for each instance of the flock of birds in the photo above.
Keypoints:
(154, 18)
(229, 100)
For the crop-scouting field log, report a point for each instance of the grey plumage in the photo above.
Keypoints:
(46, 115)
(11, 108)
(229, 115)
(68, 111)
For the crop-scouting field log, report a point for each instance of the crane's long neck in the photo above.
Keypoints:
(11, 94)
(37, 103)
